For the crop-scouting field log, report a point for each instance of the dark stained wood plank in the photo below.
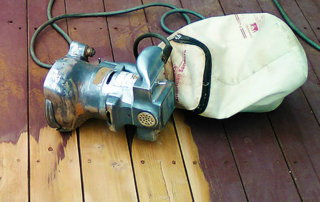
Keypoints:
(105, 159)
(13, 76)
(207, 8)
(311, 10)
(54, 160)
(298, 133)
(261, 164)
(91, 31)
(124, 29)
(239, 6)
(13, 102)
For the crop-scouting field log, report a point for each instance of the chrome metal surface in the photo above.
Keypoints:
(121, 93)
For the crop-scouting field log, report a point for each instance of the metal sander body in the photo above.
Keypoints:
(121, 93)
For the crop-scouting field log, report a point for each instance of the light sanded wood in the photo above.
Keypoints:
(106, 164)
(55, 173)
(199, 185)
(13, 170)
(159, 169)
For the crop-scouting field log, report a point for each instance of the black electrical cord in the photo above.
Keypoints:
(168, 48)
(51, 21)
(166, 51)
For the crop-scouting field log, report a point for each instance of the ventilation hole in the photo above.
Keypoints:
(75, 28)
(10, 21)
(146, 119)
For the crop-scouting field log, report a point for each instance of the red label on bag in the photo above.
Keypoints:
(249, 28)
(178, 71)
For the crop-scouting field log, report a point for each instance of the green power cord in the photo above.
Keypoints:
(293, 27)
(51, 21)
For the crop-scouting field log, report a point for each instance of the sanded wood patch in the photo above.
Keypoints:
(198, 182)
(13, 170)
(106, 164)
(159, 168)
(55, 173)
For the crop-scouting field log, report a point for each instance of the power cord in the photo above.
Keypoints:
(51, 21)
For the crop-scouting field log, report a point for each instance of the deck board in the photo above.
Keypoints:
(53, 158)
(298, 133)
(262, 166)
(310, 11)
(159, 172)
(250, 157)
(14, 123)
(105, 159)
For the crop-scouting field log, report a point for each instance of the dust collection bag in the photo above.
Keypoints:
(235, 63)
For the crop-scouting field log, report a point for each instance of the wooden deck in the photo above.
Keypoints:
(249, 157)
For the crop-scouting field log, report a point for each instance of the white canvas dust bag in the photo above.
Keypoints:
(235, 63)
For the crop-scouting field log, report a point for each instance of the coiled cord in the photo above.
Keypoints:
(51, 21)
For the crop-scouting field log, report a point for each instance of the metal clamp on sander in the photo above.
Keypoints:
(121, 93)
